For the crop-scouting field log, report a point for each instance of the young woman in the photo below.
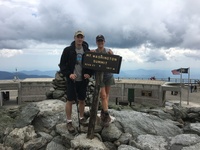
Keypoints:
(106, 83)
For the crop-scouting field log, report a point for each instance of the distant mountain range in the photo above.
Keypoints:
(159, 74)
(139, 73)
(50, 73)
(142, 73)
(20, 75)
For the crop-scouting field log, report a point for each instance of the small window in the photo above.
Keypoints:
(147, 93)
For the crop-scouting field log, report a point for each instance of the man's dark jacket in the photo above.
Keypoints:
(68, 60)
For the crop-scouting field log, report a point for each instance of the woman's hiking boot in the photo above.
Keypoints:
(105, 118)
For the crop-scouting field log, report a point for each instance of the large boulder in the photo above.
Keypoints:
(82, 142)
(27, 115)
(5, 122)
(111, 133)
(51, 112)
(152, 142)
(185, 140)
(126, 147)
(138, 123)
(55, 146)
(19, 136)
(35, 143)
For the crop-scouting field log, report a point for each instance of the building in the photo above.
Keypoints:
(151, 92)
(139, 91)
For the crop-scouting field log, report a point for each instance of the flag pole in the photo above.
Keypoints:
(188, 85)
(180, 85)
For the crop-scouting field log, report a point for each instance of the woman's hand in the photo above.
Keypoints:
(93, 50)
(86, 76)
(110, 52)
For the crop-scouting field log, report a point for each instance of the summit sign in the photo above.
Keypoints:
(102, 62)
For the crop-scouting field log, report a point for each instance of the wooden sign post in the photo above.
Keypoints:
(101, 63)
(94, 107)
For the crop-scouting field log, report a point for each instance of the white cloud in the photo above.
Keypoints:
(128, 55)
(125, 24)
(54, 52)
(10, 52)
(143, 32)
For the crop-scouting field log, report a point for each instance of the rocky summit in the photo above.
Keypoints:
(42, 126)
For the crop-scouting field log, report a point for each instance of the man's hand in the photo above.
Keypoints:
(86, 76)
(72, 76)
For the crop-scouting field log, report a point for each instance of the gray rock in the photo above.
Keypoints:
(192, 147)
(26, 116)
(55, 146)
(14, 143)
(53, 133)
(46, 136)
(110, 133)
(119, 125)
(180, 112)
(195, 128)
(194, 110)
(138, 123)
(59, 76)
(66, 138)
(126, 147)
(58, 139)
(51, 113)
(19, 136)
(82, 142)
(61, 129)
(125, 138)
(152, 142)
(58, 94)
(59, 86)
(98, 128)
(2, 147)
(135, 144)
(177, 123)
(13, 112)
(110, 145)
(193, 115)
(5, 121)
(92, 148)
(36, 143)
(185, 139)
(49, 94)
(159, 113)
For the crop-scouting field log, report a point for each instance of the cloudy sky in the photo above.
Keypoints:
(148, 34)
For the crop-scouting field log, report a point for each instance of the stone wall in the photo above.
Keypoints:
(34, 89)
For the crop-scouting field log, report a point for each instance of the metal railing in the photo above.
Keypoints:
(175, 80)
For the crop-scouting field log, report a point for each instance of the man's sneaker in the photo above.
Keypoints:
(83, 122)
(70, 127)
